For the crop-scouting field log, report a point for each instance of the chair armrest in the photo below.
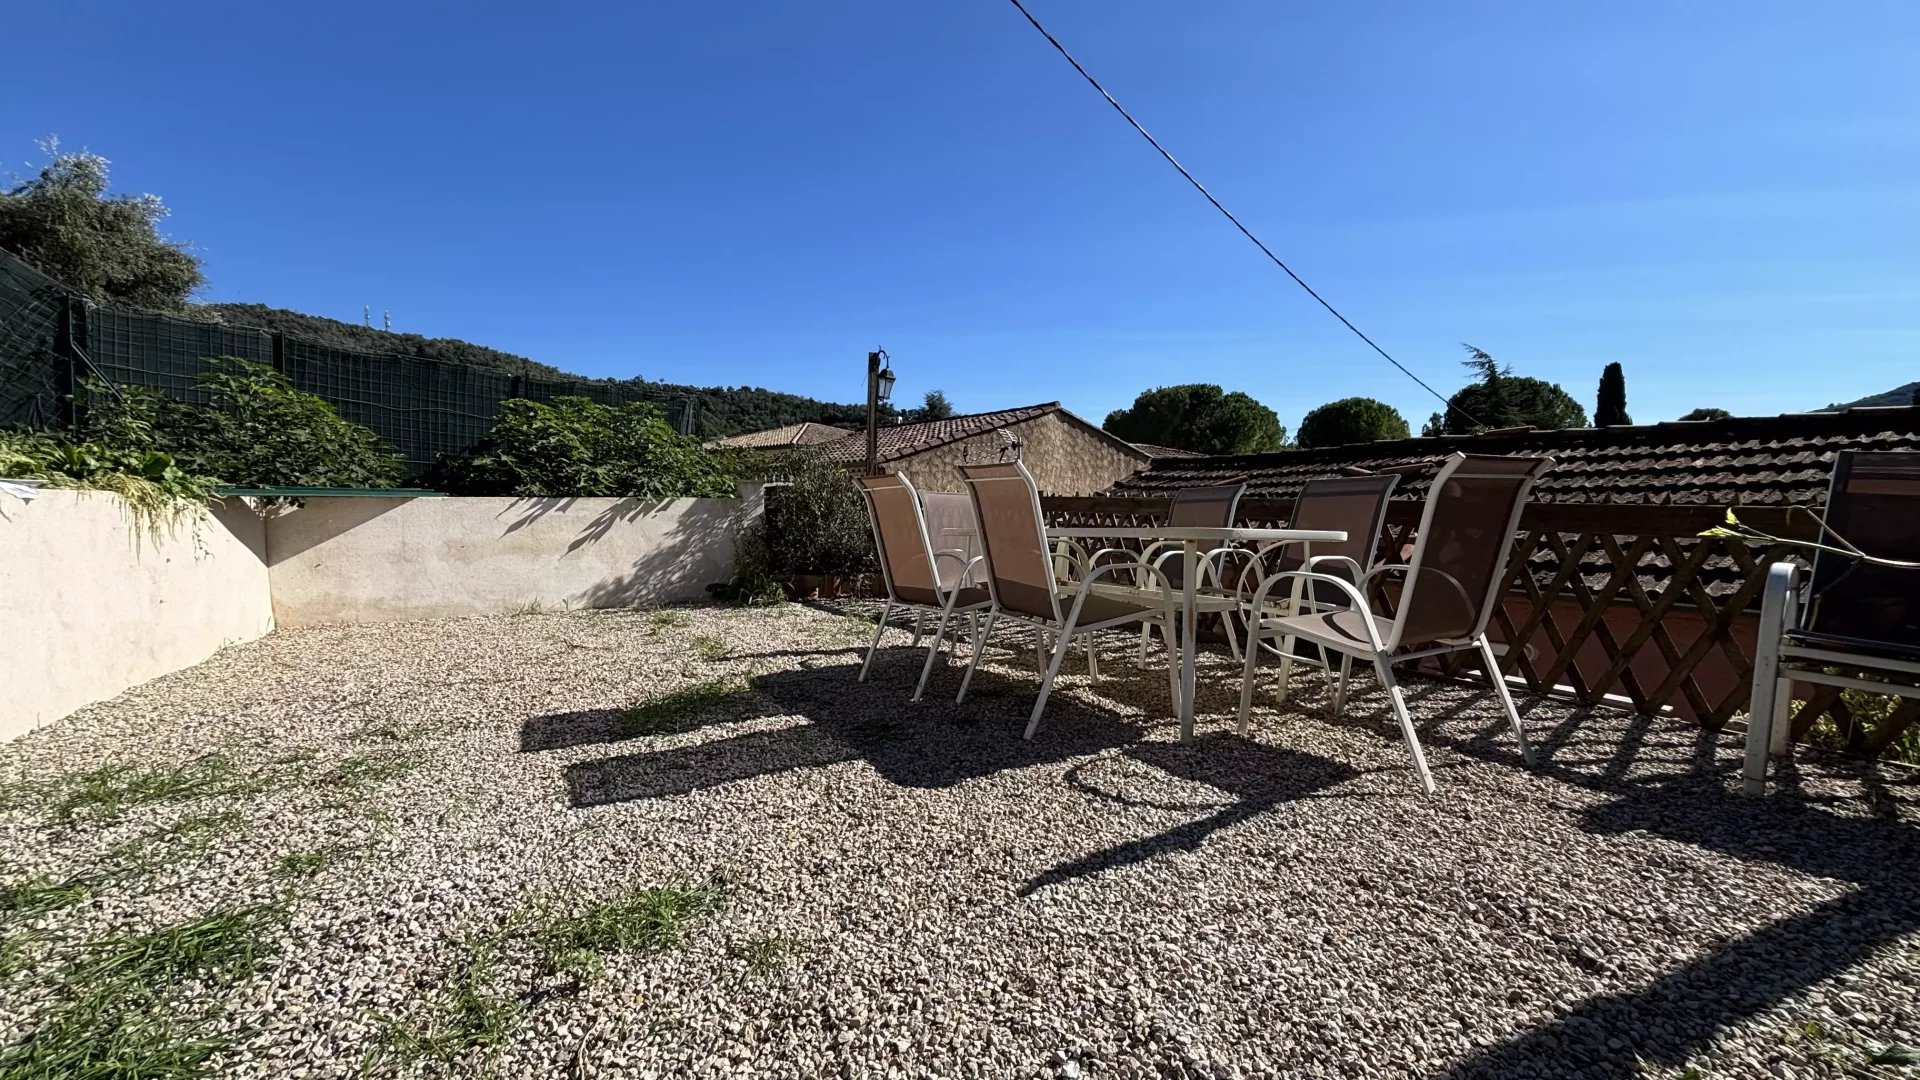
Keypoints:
(1465, 600)
(967, 565)
(1353, 593)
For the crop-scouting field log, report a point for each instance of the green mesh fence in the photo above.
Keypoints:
(425, 408)
(33, 360)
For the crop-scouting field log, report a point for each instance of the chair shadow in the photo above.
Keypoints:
(933, 743)
(1259, 776)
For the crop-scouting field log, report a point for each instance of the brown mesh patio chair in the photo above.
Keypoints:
(1355, 505)
(1447, 594)
(917, 577)
(1862, 613)
(1020, 577)
(1216, 506)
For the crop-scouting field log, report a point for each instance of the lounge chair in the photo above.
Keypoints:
(915, 576)
(1862, 615)
(1450, 587)
(1023, 589)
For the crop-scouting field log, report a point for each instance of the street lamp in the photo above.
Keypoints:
(879, 389)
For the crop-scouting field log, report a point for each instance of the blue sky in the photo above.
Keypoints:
(1722, 196)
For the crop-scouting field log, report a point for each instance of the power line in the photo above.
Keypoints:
(1248, 233)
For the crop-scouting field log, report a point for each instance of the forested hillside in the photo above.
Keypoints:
(718, 410)
(1899, 395)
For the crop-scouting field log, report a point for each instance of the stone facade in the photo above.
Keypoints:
(1065, 455)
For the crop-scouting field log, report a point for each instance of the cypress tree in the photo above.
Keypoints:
(1611, 408)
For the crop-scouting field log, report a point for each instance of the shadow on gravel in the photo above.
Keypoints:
(587, 727)
(930, 743)
(1262, 777)
(1677, 784)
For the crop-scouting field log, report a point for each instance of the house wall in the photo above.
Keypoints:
(1064, 458)
(90, 604)
(356, 560)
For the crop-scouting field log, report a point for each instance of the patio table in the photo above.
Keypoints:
(1190, 539)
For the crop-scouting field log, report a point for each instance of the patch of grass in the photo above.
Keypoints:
(185, 838)
(221, 947)
(107, 792)
(474, 1014)
(531, 607)
(680, 710)
(362, 771)
(639, 920)
(39, 895)
(299, 865)
(109, 1020)
(667, 619)
(762, 956)
(708, 647)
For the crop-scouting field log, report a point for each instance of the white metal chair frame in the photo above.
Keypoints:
(948, 595)
(1381, 650)
(1064, 625)
(1778, 663)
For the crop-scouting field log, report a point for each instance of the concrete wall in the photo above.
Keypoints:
(1065, 455)
(90, 604)
(376, 560)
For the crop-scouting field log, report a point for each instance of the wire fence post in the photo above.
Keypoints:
(278, 345)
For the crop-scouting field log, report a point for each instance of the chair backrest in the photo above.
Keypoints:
(900, 539)
(1355, 505)
(1873, 501)
(1013, 538)
(950, 527)
(1214, 507)
(1461, 553)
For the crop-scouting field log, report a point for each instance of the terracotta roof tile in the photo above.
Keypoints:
(791, 435)
(905, 440)
(1753, 461)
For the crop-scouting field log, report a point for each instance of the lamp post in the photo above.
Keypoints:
(879, 389)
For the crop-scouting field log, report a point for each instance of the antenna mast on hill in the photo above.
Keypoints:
(366, 315)
(386, 317)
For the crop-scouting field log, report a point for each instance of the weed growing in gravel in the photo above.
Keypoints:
(190, 836)
(639, 920)
(107, 792)
(39, 895)
(301, 864)
(475, 1014)
(762, 956)
(710, 648)
(108, 1017)
(667, 619)
(362, 771)
(680, 710)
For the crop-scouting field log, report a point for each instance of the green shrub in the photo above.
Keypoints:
(576, 447)
(256, 430)
(816, 520)
(157, 491)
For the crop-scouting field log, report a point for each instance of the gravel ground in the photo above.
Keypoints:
(911, 890)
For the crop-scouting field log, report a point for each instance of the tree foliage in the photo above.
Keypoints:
(576, 447)
(817, 522)
(64, 221)
(1351, 420)
(1501, 399)
(157, 492)
(1708, 414)
(1610, 407)
(934, 406)
(256, 430)
(1200, 417)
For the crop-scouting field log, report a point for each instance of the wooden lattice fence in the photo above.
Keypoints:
(1621, 605)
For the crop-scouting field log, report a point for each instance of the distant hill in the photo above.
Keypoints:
(1899, 395)
(719, 411)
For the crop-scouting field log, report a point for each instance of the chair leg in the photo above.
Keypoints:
(1146, 631)
(1046, 679)
(939, 639)
(1340, 691)
(1286, 669)
(1173, 671)
(1506, 698)
(919, 627)
(1040, 651)
(1382, 665)
(979, 646)
(1093, 660)
(1246, 679)
(1233, 636)
(879, 629)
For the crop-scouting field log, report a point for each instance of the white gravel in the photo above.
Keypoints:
(952, 901)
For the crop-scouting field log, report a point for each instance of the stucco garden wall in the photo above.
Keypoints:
(90, 604)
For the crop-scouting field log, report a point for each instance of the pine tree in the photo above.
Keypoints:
(1611, 408)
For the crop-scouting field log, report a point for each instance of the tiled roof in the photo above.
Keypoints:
(790, 435)
(1154, 451)
(1750, 461)
(905, 440)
